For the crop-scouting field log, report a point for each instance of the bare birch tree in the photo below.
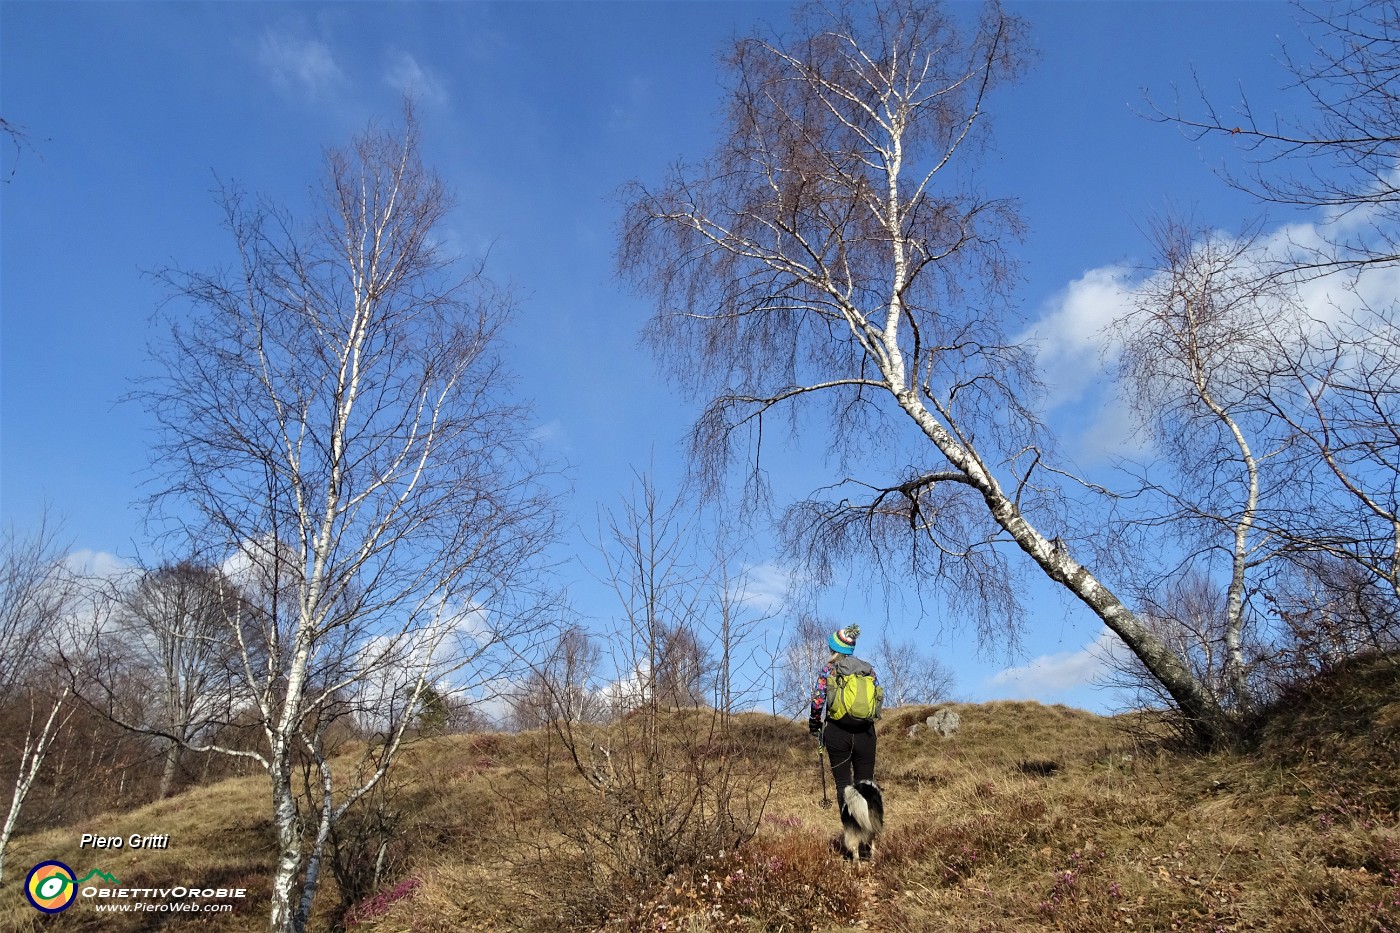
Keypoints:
(652, 567)
(1274, 411)
(735, 625)
(834, 247)
(909, 675)
(1329, 378)
(36, 592)
(1342, 403)
(335, 435)
(1200, 357)
(563, 687)
(171, 633)
(803, 653)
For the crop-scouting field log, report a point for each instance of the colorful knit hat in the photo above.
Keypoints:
(843, 640)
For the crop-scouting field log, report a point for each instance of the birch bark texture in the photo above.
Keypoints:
(337, 437)
(837, 247)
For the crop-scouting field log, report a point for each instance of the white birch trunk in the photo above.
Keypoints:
(284, 915)
(1235, 668)
(1183, 687)
(31, 759)
(318, 848)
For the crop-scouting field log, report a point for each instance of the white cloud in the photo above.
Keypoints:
(1327, 299)
(302, 67)
(1075, 355)
(627, 692)
(98, 564)
(764, 587)
(1047, 677)
(404, 73)
(1070, 337)
(1076, 352)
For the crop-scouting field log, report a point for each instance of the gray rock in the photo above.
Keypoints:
(945, 722)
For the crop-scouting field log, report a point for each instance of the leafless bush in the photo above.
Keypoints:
(669, 780)
(1327, 611)
(369, 844)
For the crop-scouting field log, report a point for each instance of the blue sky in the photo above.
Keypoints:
(536, 113)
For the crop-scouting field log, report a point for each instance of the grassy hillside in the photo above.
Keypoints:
(1029, 818)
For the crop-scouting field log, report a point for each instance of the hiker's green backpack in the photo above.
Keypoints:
(851, 692)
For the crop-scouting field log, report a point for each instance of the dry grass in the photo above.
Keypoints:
(1030, 818)
(219, 837)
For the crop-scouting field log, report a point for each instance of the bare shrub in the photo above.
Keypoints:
(793, 882)
(670, 781)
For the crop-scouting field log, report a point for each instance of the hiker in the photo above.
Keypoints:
(848, 697)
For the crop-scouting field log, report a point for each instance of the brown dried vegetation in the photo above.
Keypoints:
(1296, 833)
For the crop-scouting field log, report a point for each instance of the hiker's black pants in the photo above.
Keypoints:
(851, 752)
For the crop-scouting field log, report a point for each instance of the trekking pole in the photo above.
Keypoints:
(821, 769)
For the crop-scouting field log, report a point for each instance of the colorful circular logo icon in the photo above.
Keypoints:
(51, 887)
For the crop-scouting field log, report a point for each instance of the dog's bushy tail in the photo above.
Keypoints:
(858, 809)
(874, 807)
(862, 814)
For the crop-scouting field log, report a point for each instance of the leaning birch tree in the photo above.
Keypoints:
(836, 246)
(336, 436)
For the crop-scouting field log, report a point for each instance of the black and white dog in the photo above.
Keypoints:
(862, 817)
